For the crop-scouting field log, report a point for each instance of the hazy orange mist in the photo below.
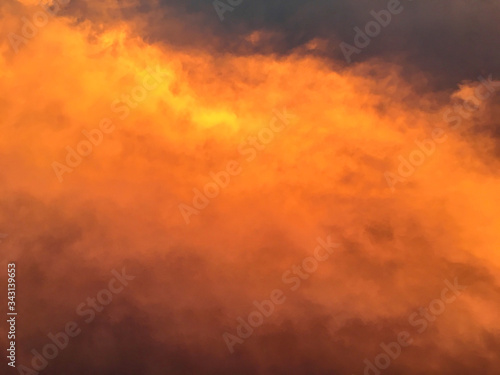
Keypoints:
(323, 175)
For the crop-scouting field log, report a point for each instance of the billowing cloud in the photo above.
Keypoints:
(207, 158)
(450, 40)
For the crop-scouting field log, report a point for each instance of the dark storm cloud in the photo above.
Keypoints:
(450, 40)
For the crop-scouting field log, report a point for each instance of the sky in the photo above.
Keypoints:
(251, 187)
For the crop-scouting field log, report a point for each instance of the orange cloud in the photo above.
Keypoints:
(323, 175)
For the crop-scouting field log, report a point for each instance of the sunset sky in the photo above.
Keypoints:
(338, 160)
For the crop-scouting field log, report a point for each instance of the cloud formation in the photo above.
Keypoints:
(323, 176)
(449, 40)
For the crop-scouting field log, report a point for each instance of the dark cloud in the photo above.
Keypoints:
(449, 40)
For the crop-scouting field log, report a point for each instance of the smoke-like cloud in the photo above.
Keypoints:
(449, 40)
(219, 83)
